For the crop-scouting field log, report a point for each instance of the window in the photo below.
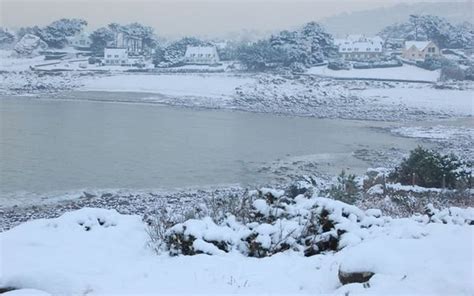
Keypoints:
(368, 49)
(109, 55)
(116, 56)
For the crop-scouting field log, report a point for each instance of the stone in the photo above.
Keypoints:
(29, 45)
(354, 277)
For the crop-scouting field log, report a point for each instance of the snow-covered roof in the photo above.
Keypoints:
(420, 45)
(359, 43)
(360, 47)
(197, 50)
(115, 50)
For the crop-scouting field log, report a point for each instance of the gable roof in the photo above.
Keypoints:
(204, 50)
(420, 45)
(360, 47)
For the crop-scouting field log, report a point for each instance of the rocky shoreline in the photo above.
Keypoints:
(140, 203)
(295, 95)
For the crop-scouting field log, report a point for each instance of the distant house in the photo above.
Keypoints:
(116, 56)
(360, 48)
(201, 55)
(419, 50)
(132, 43)
(80, 41)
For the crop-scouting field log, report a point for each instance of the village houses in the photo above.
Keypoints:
(419, 50)
(360, 48)
(81, 41)
(116, 56)
(201, 55)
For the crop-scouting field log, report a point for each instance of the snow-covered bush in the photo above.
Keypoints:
(345, 189)
(428, 168)
(277, 221)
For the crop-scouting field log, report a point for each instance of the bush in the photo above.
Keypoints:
(339, 65)
(345, 189)
(453, 72)
(427, 168)
(434, 63)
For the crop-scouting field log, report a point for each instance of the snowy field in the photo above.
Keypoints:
(459, 102)
(100, 252)
(205, 85)
(10, 63)
(406, 72)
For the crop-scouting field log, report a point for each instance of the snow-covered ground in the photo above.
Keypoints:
(198, 85)
(406, 72)
(100, 252)
(8, 62)
(459, 102)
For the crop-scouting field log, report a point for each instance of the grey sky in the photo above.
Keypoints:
(183, 17)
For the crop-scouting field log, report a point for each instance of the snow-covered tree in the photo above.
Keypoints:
(100, 38)
(307, 46)
(6, 38)
(429, 27)
(174, 53)
(55, 34)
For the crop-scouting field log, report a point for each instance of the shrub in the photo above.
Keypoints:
(345, 189)
(452, 72)
(428, 168)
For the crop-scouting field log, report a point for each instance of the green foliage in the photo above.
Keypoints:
(345, 189)
(427, 168)
(100, 38)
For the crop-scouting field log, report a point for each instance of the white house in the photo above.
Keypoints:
(116, 56)
(80, 41)
(202, 55)
(360, 48)
(419, 50)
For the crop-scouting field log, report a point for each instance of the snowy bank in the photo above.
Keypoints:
(198, 85)
(99, 252)
(406, 72)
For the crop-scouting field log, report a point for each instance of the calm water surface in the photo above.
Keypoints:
(54, 145)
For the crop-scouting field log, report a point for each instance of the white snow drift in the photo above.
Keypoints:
(98, 252)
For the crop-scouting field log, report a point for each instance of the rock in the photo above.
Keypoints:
(354, 277)
(29, 45)
(6, 289)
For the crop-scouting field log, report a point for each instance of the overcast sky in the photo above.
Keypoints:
(184, 17)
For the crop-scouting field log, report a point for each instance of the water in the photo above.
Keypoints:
(58, 145)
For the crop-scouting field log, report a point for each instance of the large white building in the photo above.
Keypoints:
(360, 48)
(116, 56)
(202, 55)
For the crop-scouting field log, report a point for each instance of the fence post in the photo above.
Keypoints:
(384, 184)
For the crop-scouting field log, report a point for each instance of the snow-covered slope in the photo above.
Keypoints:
(98, 252)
